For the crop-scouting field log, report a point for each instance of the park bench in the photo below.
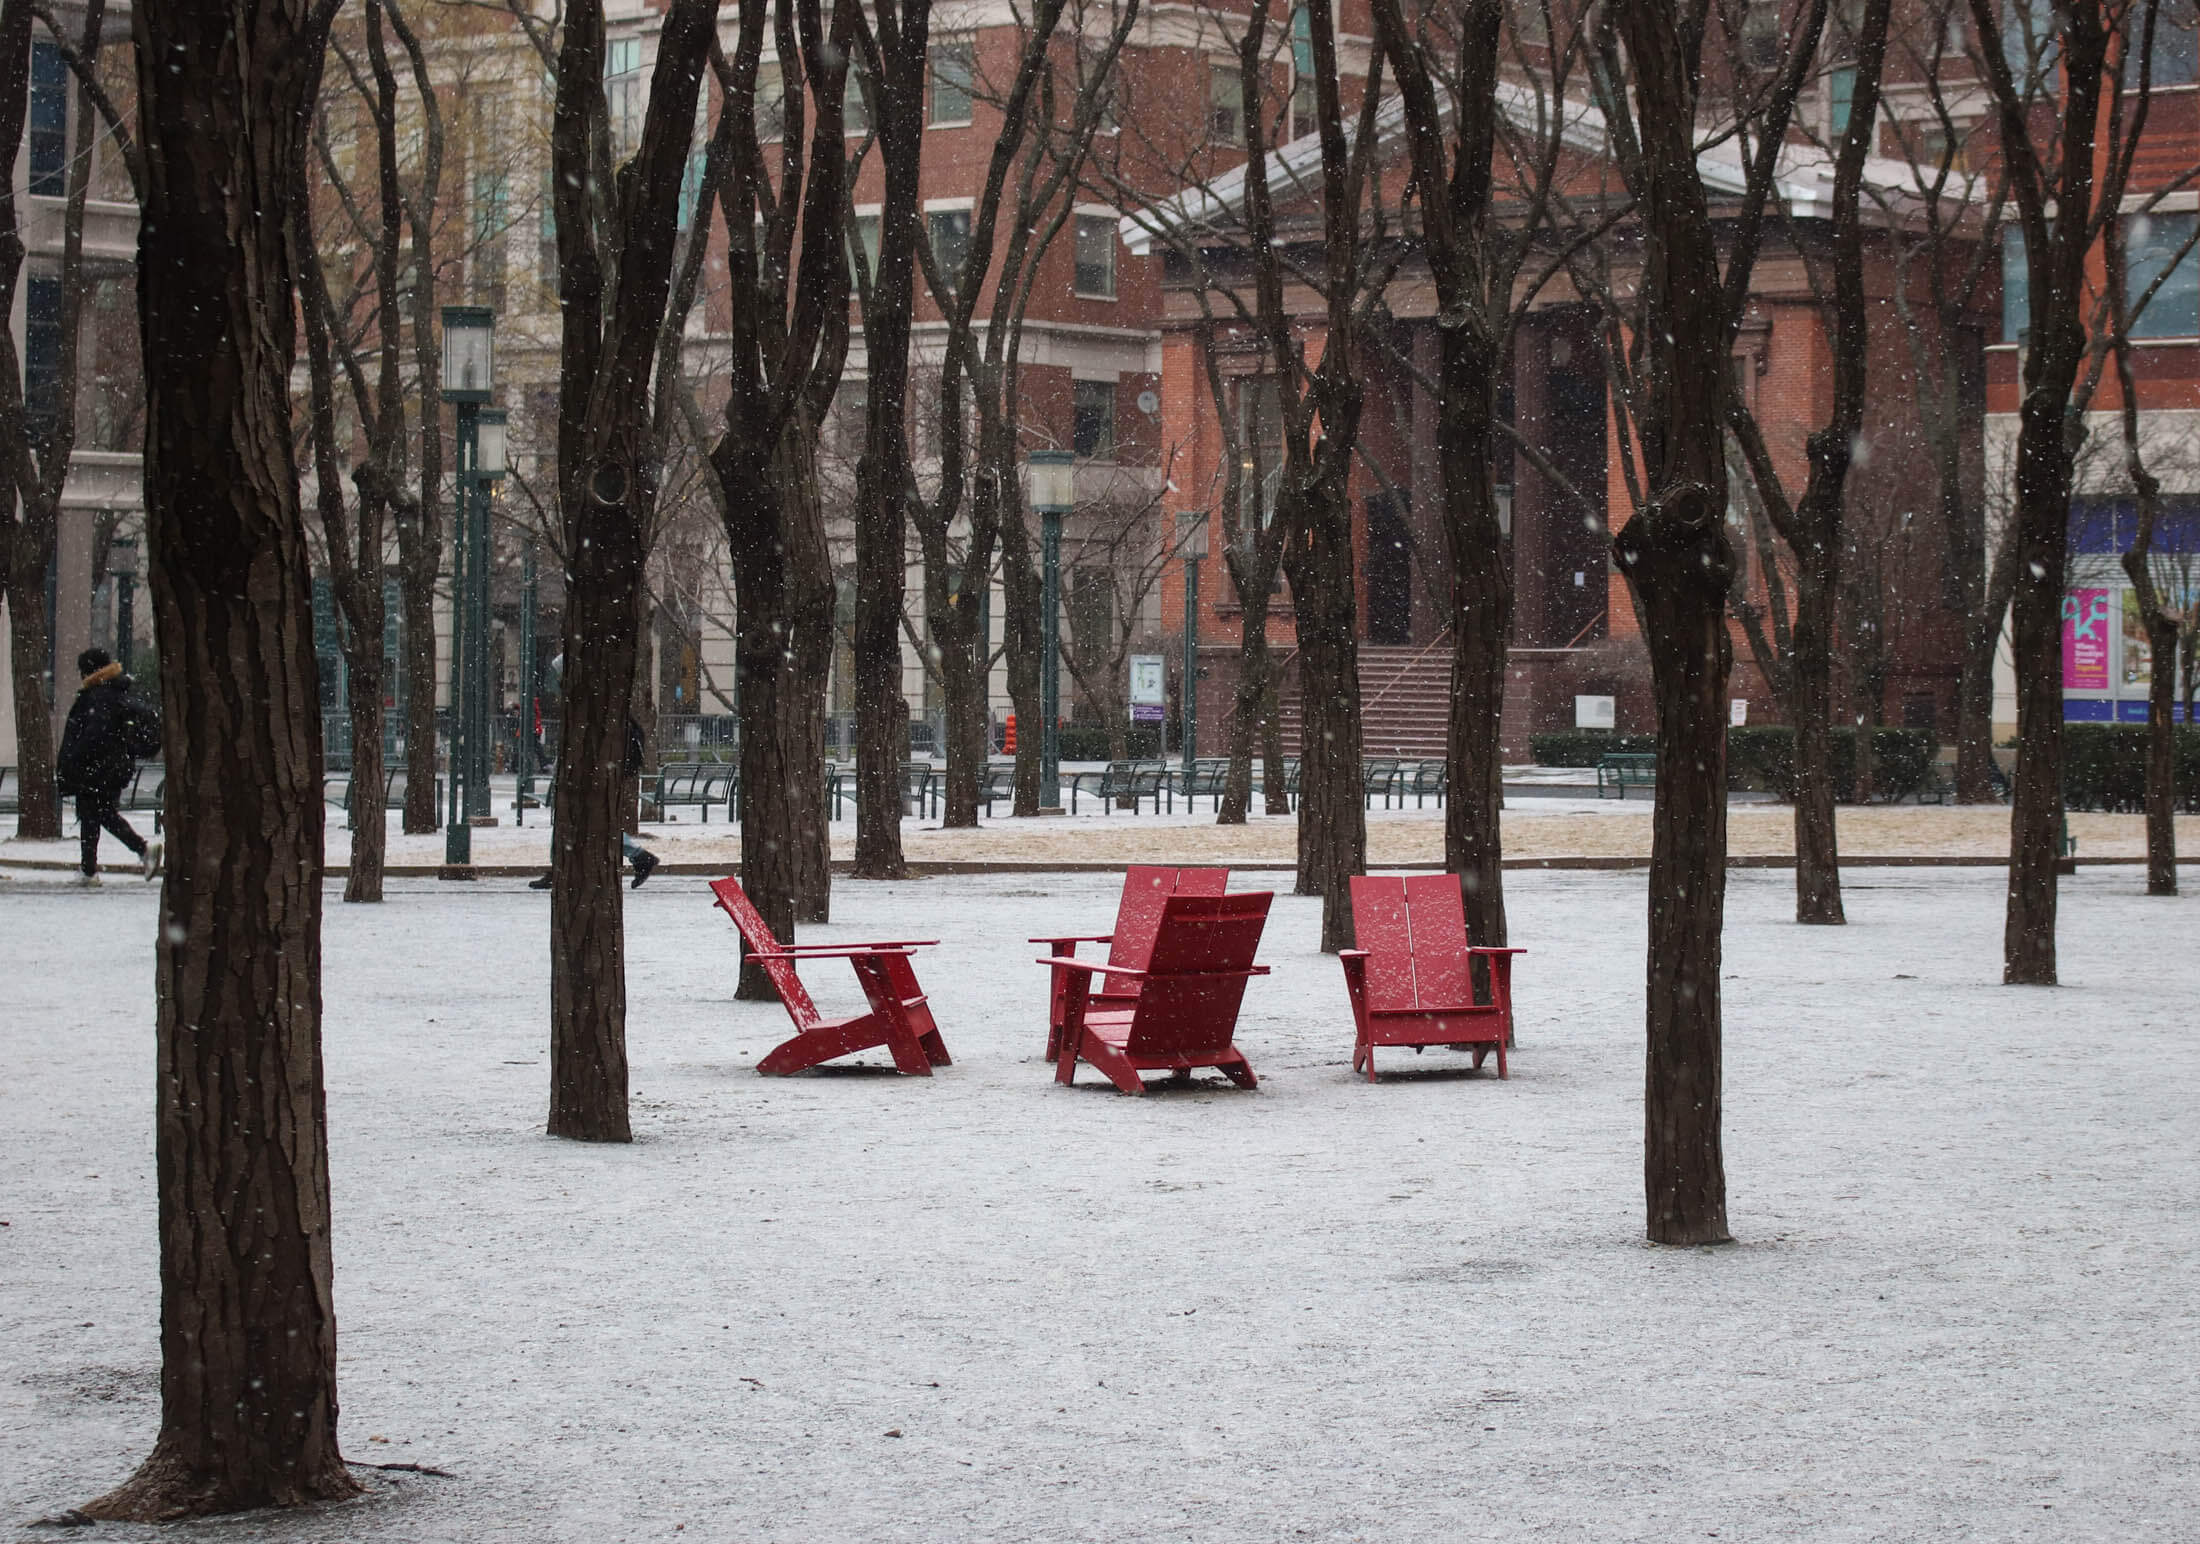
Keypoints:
(1208, 776)
(999, 782)
(1134, 781)
(1380, 775)
(393, 793)
(1188, 995)
(900, 1017)
(11, 791)
(1412, 978)
(1622, 769)
(147, 790)
(1146, 889)
(1427, 778)
(702, 783)
(920, 789)
(1290, 780)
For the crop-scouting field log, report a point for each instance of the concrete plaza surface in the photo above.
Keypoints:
(853, 1306)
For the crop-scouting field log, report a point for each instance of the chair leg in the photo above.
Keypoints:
(1240, 1071)
(1502, 1073)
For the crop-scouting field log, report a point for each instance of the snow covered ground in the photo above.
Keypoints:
(852, 1306)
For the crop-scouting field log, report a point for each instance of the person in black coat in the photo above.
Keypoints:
(109, 728)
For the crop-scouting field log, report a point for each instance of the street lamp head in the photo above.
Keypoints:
(122, 556)
(469, 353)
(490, 444)
(1053, 476)
(1192, 528)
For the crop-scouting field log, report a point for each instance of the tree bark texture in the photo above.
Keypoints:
(1332, 827)
(614, 303)
(248, 1323)
(30, 644)
(883, 478)
(1675, 555)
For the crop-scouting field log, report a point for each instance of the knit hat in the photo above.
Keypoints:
(92, 661)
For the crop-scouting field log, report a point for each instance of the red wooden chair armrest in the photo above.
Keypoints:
(884, 943)
(1352, 954)
(1482, 949)
(830, 951)
(1073, 938)
(1102, 967)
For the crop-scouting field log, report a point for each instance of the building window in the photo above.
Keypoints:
(546, 223)
(863, 250)
(1095, 249)
(851, 416)
(2176, 51)
(950, 233)
(1260, 437)
(1092, 62)
(1092, 419)
(1304, 107)
(1840, 99)
(42, 358)
(954, 76)
(855, 104)
(1761, 36)
(1225, 105)
(771, 102)
(2151, 244)
(2028, 43)
(2016, 286)
(49, 121)
(622, 90)
(492, 214)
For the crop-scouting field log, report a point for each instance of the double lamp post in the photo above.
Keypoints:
(469, 368)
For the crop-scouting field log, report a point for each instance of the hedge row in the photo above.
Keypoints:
(2105, 767)
(1089, 742)
(1762, 757)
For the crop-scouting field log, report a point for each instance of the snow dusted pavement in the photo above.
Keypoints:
(856, 1307)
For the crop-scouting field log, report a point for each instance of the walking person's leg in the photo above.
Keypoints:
(89, 819)
(644, 861)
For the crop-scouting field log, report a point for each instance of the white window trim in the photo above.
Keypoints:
(950, 205)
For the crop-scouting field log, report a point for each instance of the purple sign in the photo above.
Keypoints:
(2085, 641)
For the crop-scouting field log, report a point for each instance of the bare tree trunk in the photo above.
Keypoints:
(1023, 603)
(1332, 813)
(1675, 555)
(30, 645)
(248, 1322)
(1274, 790)
(1246, 704)
(809, 606)
(1482, 616)
(2162, 755)
(607, 475)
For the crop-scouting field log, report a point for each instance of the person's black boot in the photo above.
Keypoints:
(539, 884)
(645, 864)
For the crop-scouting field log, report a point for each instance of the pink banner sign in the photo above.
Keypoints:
(2085, 641)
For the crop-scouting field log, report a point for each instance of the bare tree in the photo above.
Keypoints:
(36, 440)
(248, 1323)
(1811, 525)
(893, 54)
(789, 337)
(1677, 558)
(616, 240)
(2065, 194)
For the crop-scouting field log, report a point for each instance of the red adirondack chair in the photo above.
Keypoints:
(1188, 994)
(1412, 978)
(1137, 919)
(900, 1019)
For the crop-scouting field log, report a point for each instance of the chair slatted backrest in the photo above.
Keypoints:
(757, 934)
(1414, 930)
(1146, 889)
(1184, 1007)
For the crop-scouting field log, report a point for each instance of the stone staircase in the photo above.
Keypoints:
(1405, 700)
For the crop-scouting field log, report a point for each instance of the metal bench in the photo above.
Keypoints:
(1427, 778)
(1622, 769)
(147, 790)
(11, 791)
(920, 789)
(394, 784)
(1132, 780)
(1208, 776)
(999, 782)
(699, 783)
(1383, 775)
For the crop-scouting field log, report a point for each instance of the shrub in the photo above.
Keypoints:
(1585, 747)
(2105, 767)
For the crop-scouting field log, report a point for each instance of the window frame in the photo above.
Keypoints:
(1096, 392)
(949, 209)
(966, 45)
(1106, 225)
(1225, 93)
